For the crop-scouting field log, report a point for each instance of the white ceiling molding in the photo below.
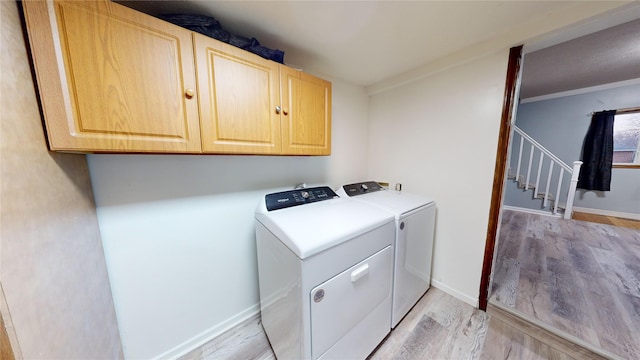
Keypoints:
(581, 91)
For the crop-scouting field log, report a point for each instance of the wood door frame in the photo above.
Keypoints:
(6, 351)
(509, 102)
(7, 332)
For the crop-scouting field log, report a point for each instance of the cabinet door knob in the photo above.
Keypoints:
(189, 93)
(285, 111)
(278, 108)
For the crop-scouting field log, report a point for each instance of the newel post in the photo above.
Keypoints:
(568, 211)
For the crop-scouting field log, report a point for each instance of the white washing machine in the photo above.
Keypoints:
(325, 272)
(413, 244)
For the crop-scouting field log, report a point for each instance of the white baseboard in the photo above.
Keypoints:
(619, 214)
(209, 334)
(455, 293)
(531, 211)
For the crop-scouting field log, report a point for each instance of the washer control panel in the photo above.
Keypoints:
(362, 188)
(285, 199)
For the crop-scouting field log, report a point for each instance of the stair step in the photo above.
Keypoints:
(540, 196)
(520, 181)
(530, 187)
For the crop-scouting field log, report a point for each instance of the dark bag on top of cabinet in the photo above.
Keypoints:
(211, 27)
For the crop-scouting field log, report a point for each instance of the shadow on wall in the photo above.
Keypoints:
(143, 178)
(583, 192)
(73, 165)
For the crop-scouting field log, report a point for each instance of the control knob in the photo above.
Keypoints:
(305, 194)
(364, 187)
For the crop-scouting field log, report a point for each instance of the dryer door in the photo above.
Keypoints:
(339, 304)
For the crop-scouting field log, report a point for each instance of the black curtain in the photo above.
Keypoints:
(597, 153)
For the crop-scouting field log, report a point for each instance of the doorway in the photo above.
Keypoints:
(506, 225)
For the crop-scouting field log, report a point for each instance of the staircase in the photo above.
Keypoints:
(555, 189)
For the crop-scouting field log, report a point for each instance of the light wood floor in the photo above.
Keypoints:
(608, 220)
(438, 327)
(580, 277)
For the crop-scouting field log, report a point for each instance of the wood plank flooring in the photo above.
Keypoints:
(582, 278)
(608, 220)
(438, 327)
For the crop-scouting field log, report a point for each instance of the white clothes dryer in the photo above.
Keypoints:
(413, 240)
(325, 273)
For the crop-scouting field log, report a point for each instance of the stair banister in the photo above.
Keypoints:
(542, 148)
(546, 195)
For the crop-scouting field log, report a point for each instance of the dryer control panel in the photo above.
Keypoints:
(285, 199)
(362, 188)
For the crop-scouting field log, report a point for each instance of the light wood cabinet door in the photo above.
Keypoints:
(306, 120)
(238, 96)
(112, 79)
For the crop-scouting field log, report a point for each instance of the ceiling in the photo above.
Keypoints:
(604, 57)
(368, 42)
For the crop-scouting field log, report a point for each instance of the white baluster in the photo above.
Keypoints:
(546, 190)
(526, 185)
(519, 159)
(557, 201)
(535, 190)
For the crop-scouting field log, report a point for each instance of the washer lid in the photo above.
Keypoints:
(399, 202)
(311, 228)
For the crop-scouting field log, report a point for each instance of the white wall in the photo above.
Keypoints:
(55, 298)
(438, 137)
(178, 231)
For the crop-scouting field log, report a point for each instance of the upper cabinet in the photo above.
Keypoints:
(306, 109)
(255, 106)
(238, 93)
(112, 79)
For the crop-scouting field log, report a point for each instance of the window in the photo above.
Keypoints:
(626, 139)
